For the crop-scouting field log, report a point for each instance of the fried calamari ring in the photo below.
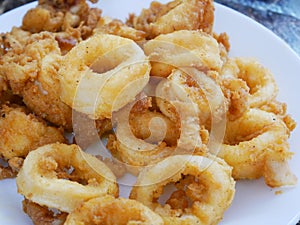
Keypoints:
(235, 90)
(95, 72)
(22, 132)
(134, 151)
(256, 143)
(205, 182)
(137, 153)
(111, 211)
(199, 88)
(183, 49)
(260, 80)
(173, 16)
(62, 177)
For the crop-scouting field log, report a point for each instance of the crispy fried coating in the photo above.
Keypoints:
(260, 80)
(31, 71)
(206, 182)
(280, 109)
(117, 27)
(183, 48)
(21, 133)
(256, 145)
(11, 168)
(7, 172)
(16, 38)
(175, 15)
(235, 89)
(59, 15)
(145, 114)
(223, 39)
(41, 215)
(236, 92)
(3, 89)
(99, 83)
(197, 92)
(113, 211)
(66, 174)
(67, 40)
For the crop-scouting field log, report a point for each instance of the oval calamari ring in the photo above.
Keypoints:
(263, 88)
(183, 48)
(95, 73)
(136, 152)
(205, 189)
(111, 211)
(254, 143)
(62, 176)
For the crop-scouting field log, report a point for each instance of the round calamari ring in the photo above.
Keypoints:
(136, 152)
(260, 80)
(255, 144)
(111, 211)
(96, 71)
(183, 49)
(62, 176)
(207, 183)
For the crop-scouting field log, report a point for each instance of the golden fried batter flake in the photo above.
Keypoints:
(21, 133)
(175, 15)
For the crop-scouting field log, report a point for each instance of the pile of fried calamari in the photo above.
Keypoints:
(175, 109)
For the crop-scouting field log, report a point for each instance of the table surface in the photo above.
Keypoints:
(280, 16)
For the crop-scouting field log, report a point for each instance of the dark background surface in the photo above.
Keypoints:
(280, 16)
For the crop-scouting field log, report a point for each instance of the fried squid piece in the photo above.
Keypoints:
(62, 177)
(117, 27)
(41, 215)
(113, 211)
(256, 145)
(175, 15)
(60, 15)
(22, 132)
(31, 71)
(16, 38)
(204, 189)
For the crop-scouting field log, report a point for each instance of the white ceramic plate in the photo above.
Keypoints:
(254, 202)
